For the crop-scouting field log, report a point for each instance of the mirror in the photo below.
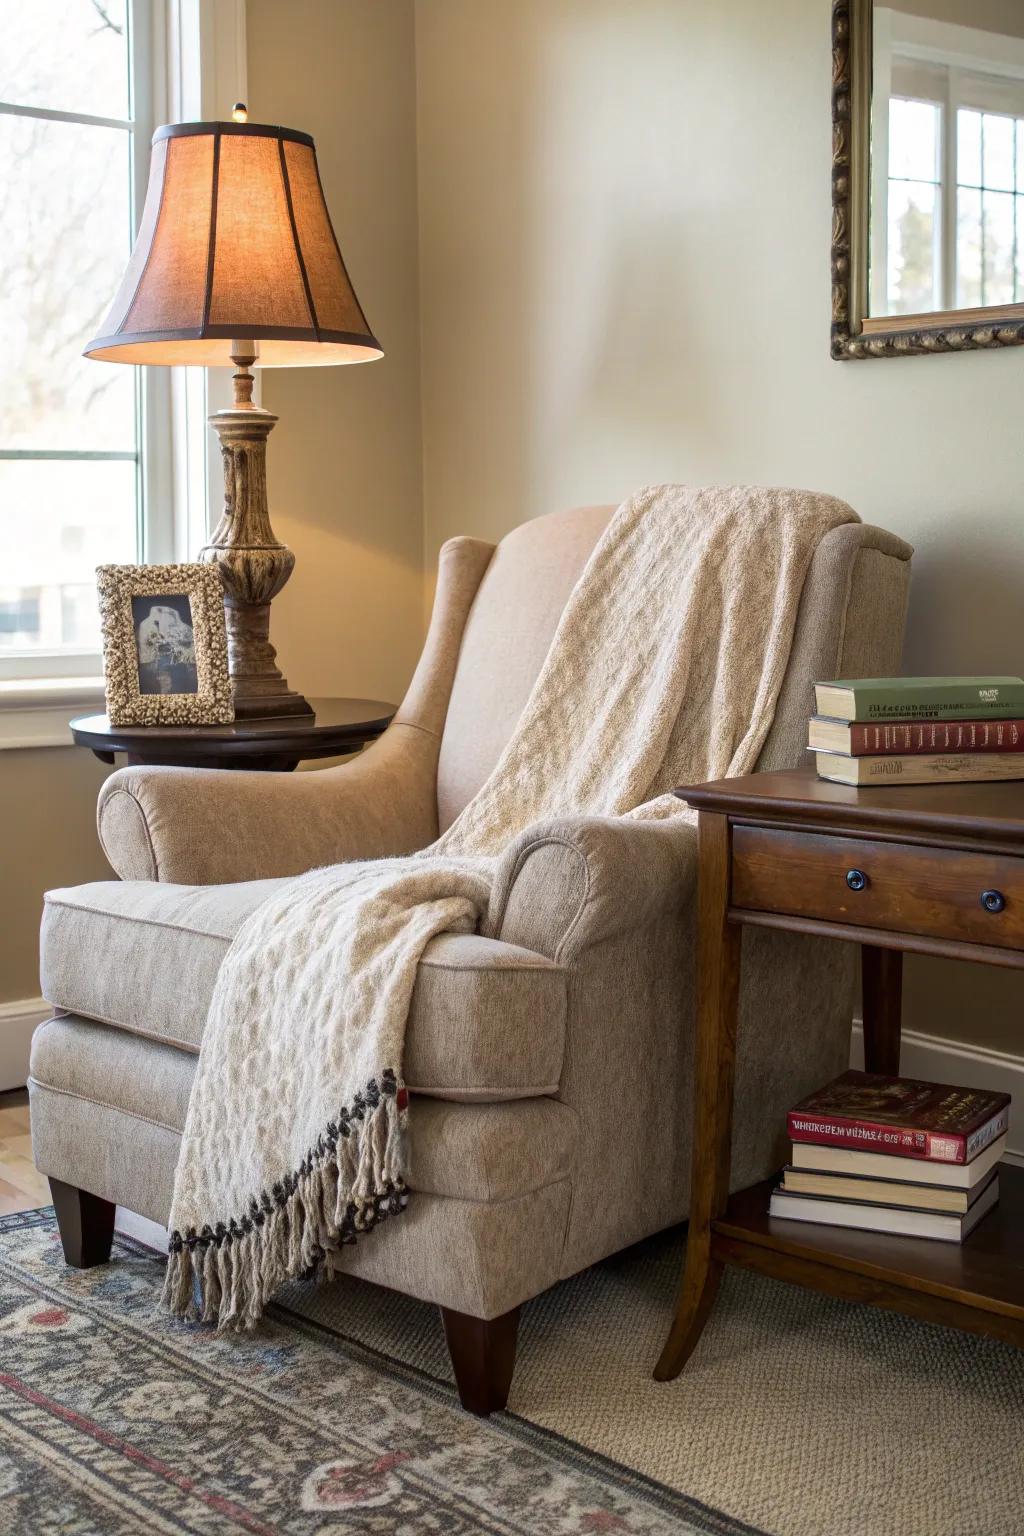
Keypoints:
(927, 176)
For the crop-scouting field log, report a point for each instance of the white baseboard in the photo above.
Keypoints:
(142, 1229)
(17, 1021)
(971, 1066)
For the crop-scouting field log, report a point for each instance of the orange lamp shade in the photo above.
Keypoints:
(235, 243)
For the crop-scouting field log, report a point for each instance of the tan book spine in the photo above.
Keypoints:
(939, 769)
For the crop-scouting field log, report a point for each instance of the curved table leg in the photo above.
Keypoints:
(697, 1294)
(718, 968)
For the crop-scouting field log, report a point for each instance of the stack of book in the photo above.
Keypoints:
(919, 730)
(891, 1154)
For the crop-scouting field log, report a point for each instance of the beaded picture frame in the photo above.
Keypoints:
(165, 651)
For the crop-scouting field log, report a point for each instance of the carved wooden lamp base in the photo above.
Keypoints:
(253, 564)
(258, 687)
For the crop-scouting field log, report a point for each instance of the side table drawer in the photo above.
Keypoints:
(944, 893)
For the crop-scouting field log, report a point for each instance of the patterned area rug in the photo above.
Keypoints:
(116, 1418)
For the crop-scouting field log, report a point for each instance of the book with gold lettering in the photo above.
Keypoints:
(920, 698)
(908, 738)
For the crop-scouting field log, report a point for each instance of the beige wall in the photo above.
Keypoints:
(344, 461)
(48, 838)
(624, 226)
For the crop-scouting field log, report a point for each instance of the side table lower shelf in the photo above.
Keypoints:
(977, 1284)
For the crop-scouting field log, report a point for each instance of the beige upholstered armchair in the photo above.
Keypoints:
(548, 1064)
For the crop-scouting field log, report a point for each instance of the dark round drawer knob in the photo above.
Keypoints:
(856, 879)
(993, 901)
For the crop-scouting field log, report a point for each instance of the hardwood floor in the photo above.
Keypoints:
(21, 1187)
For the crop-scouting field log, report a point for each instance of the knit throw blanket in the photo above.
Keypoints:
(665, 669)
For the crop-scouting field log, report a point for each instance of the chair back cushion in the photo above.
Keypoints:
(849, 624)
(507, 636)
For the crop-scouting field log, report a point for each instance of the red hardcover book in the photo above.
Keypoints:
(934, 1122)
(905, 738)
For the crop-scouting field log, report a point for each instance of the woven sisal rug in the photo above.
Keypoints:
(115, 1418)
(800, 1415)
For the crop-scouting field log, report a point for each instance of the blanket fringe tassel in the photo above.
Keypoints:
(350, 1181)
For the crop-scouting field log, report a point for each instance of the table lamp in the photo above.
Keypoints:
(236, 261)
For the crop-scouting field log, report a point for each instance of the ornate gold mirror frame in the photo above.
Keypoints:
(855, 333)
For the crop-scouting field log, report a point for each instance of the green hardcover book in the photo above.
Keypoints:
(920, 698)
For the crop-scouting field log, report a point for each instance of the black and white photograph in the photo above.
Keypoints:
(165, 655)
(165, 644)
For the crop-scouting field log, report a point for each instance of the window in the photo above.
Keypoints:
(76, 488)
(914, 203)
(950, 221)
(989, 208)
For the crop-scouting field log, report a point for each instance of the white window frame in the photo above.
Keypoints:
(950, 66)
(188, 62)
(206, 74)
(152, 428)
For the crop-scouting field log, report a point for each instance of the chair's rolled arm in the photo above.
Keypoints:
(568, 884)
(202, 826)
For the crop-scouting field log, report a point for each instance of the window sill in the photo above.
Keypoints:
(35, 712)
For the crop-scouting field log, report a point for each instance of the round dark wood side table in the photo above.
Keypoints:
(274, 745)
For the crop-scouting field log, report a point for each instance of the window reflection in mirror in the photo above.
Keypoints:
(947, 156)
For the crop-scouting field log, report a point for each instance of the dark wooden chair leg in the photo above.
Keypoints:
(483, 1357)
(86, 1225)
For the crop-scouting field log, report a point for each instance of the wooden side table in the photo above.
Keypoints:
(276, 744)
(936, 869)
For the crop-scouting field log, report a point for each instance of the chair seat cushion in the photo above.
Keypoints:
(487, 1019)
(108, 1110)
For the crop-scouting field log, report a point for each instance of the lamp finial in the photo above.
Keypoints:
(240, 112)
